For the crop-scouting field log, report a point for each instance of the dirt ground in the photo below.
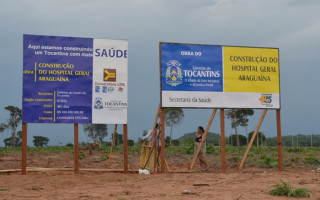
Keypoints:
(251, 183)
(248, 184)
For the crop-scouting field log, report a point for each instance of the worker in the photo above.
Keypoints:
(201, 156)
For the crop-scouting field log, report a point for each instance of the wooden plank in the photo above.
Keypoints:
(112, 144)
(223, 142)
(280, 162)
(155, 144)
(24, 148)
(162, 134)
(125, 148)
(203, 139)
(252, 139)
(154, 125)
(76, 148)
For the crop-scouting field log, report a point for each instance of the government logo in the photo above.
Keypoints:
(98, 104)
(173, 73)
(265, 98)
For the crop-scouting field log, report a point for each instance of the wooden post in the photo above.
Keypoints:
(125, 148)
(223, 142)
(154, 125)
(24, 148)
(280, 165)
(162, 134)
(252, 139)
(112, 143)
(203, 139)
(76, 148)
(155, 144)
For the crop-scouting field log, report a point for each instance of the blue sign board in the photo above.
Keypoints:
(191, 67)
(58, 80)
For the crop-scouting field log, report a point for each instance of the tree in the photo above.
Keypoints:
(8, 141)
(242, 139)
(40, 141)
(13, 122)
(259, 135)
(239, 117)
(173, 116)
(243, 119)
(234, 116)
(167, 140)
(97, 132)
(118, 139)
(130, 143)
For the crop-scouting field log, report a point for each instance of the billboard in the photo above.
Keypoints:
(74, 80)
(214, 76)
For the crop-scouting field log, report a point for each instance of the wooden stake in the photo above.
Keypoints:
(223, 142)
(155, 144)
(203, 139)
(280, 164)
(76, 148)
(125, 148)
(252, 139)
(154, 125)
(24, 148)
(112, 144)
(162, 134)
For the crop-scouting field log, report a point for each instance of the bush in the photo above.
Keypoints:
(210, 149)
(130, 143)
(8, 142)
(311, 160)
(189, 148)
(285, 189)
(268, 161)
(175, 142)
(40, 141)
(69, 145)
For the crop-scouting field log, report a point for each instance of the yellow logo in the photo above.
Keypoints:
(109, 75)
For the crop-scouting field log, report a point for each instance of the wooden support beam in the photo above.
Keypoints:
(125, 148)
(203, 139)
(112, 143)
(76, 148)
(223, 142)
(162, 135)
(154, 125)
(252, 139)
(280, 164)
(155, 145)
(24, 148)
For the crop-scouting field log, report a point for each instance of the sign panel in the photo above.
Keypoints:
(210, 76)
(74, 80)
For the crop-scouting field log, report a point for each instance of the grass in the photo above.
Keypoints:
(264, 157)
(285, 189)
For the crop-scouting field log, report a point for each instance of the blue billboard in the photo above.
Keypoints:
(187, 67)
(59, 74)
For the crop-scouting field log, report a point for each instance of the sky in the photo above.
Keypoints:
(293, 26)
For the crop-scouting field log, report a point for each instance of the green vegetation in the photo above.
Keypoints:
(285, 189)
(40, 141)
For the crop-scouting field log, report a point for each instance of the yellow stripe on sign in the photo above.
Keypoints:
(54, 106)
(251, 69)
(35, 72)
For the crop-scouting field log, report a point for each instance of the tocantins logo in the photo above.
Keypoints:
(173, 73)
(98, 104)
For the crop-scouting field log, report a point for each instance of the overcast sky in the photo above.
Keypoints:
(293, 26)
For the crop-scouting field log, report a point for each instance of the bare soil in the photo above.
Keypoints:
(251, 183)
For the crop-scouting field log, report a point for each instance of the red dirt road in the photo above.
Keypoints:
(249, 184)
